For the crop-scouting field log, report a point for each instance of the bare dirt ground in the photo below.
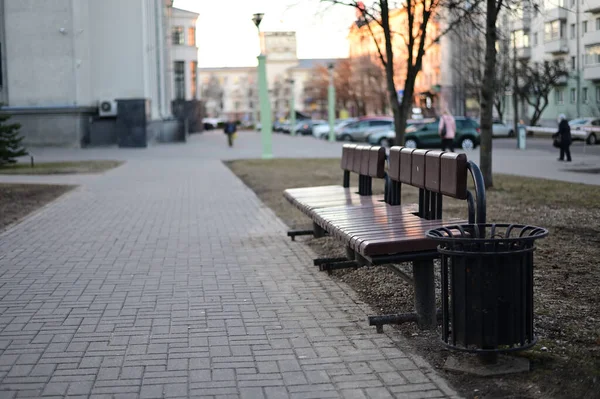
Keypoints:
(566, 361)
(59, 168)
(19, 200)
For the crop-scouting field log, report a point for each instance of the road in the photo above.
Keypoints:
(545, 144)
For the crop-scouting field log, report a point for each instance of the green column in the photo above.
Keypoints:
(331, 101)
(292, 110)
(266, 125)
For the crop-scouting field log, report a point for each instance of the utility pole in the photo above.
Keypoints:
(266, 124)
(331, 101)
(515, 90)
(292, 108)
(578, 76)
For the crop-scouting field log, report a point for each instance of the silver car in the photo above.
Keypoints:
(360, 130)
(501, 129)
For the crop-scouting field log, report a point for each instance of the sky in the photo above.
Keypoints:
(227, 36)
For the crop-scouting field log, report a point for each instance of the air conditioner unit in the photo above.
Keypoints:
(107, 108)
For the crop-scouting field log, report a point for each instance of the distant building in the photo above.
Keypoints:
(429, 80)
(60, 59)
(232, 92)
(566, 30)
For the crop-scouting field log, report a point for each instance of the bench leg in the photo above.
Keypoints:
(322, 261)
(318, 231)
(424, 293)
(347, 264)
(293, 233)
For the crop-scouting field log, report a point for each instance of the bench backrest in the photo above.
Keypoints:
(366, 161)
(435, 173)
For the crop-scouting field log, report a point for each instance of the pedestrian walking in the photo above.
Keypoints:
(230, 131)
(562, 139)
(447, 130)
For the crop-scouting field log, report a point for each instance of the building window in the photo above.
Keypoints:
(598, 94)
(572, 31)
(194, 75)
(584, 95)
(559, 96)
(179, 76)
(597, 23)
(584, 27)
(535, 39)
(191, 36)
(573, 96)
(592, 55)
(573, 63)
(178, 35)
(521, 39)
(554, 30)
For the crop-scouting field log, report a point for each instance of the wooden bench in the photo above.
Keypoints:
(367, 162)
(395, 232)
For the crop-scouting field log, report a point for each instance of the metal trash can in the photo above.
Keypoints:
(487, 286)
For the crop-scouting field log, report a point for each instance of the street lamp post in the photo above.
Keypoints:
(266, 125)
(292, 108)
(331, 101)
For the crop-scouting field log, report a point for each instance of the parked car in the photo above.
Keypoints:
(427, 136)
(579, 129)
(321, 130)
(278, 126)
(360, 130)
(386, 137)
(305, 127)
(501, 129)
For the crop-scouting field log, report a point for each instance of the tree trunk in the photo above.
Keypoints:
(488, 91)
(389, 73)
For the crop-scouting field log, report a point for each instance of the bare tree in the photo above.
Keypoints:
(488, 90)
(413, 31)
(213, 95)
(538, 80)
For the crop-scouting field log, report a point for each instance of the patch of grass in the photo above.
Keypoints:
(19, 200)
(60, 168)
(566, 270)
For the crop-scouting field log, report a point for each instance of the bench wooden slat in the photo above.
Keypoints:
(365, 155)
(432, 171)
(411, 240)
(417, 177)
(347, 155)
(453, 175)
(376, 162)
(405, 167)
(394, 163)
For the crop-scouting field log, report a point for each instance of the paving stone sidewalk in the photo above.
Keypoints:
(167, 277)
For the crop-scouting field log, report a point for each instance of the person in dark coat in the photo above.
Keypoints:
(564, 138)
(229, 129)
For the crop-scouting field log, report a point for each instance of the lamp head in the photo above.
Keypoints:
(257, 18)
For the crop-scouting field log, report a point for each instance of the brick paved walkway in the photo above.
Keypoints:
(167, 277)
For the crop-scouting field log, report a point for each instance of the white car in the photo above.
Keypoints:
(321, 130)
(587, 129)
(501, 129)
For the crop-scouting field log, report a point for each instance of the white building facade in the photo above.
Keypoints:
(566, 30)
(61, 58)
(184, 54)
